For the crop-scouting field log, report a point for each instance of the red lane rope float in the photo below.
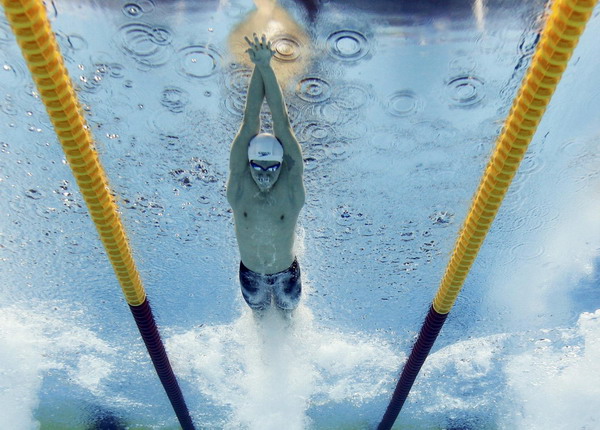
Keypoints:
(34, 35)
(147, 327)
(559, 38)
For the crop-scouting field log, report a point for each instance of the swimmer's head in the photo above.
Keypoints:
(265, 155)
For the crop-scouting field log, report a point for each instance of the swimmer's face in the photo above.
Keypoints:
(265, 173)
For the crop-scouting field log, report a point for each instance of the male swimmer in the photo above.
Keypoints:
(266, 192)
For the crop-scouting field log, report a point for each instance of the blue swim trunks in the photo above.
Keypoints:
(284, 288)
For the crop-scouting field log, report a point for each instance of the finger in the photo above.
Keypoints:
(263, 40)
(248, 41)
(269, 45)
(256, 41)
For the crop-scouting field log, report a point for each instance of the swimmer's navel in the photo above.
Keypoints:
(245, 215)
(282, 217)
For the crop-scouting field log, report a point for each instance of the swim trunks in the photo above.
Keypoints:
(284, 287)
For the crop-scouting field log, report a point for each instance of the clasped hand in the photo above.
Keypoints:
(260, 51)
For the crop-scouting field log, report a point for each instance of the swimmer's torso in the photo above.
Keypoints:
(265, 222)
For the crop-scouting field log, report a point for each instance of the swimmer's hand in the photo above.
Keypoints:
(260, 51)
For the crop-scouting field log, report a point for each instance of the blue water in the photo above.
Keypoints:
(397, 108)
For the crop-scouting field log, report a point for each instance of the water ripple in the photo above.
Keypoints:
(5, 32)
(465, 90)
(403, 103)
(528, 43)
(12, 75)
(148, 46)
(8, 106)
(462, 64)
(527, 251)
(234, 104)
(162, 123)
(238, 79)
(174, 99)
(325, 112)
(347, 45)
(287, 48)
(351, 96)
(199, 61)
(314, 132)
(313, 90)
(77, 42)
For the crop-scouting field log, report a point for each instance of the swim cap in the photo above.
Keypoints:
(265, 147)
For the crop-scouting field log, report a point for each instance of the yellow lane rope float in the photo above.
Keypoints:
(38, 44)
(560, 36)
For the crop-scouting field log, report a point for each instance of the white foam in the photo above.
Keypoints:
(269, 373)
(31, 344)
(21, 363)
(557, 385)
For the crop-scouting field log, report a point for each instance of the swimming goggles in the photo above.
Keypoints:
(259, 168)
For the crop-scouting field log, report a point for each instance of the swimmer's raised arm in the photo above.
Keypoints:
(250, 125)
(261, 53)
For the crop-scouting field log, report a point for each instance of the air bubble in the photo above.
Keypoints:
(313, 89)
(344, 217)
(137, 9)
(132, 10)
(347, 45)
(34, 194)
(441, 218)
(465, 91)
(198, 61)
(287, 49)
(407, 236)
(403, 103)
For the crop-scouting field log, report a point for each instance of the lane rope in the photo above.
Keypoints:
(34, 35)
(560, 36)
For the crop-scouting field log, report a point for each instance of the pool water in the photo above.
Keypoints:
(397, 107)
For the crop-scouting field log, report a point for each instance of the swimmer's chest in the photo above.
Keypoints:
(274, 213)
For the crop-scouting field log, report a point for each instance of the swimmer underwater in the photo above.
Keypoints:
(266, 192)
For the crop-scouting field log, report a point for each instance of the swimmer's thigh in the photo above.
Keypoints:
(256, 292)
(288, 288)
